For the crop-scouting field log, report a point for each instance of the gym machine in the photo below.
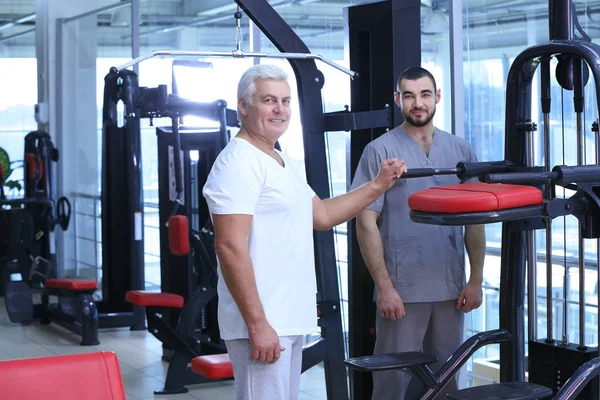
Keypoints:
(27, 251)
(526, 202)
(122, 234)
(183, 315)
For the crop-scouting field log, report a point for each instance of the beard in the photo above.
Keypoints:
(421, 122)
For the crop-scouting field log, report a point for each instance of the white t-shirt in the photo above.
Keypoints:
(245, 180)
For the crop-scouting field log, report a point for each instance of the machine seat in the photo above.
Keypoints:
(503, 391)
(90, 376)
(213, 366)
(474, 197)
(71, 284)
(380, 362)
(153, 299)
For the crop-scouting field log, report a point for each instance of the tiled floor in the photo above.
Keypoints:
(139, 354)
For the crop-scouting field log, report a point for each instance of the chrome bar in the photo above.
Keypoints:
(531, 256)
(548, 195)
(237, 54)
(581, 161)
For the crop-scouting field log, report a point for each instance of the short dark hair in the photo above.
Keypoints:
(414, 73)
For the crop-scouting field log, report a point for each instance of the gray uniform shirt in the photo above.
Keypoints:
(425, 262)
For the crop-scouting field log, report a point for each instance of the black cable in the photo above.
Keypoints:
(584, 128)
(335, 233)
(565, 266)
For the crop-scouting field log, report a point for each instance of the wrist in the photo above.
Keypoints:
(377, 187)
(254, 324)
(476, 279)
(385, 286)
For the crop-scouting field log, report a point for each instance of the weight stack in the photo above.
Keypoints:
(551, 364)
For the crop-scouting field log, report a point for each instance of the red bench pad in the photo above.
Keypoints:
(153, 299)
(71, 284)
(474, 197)
(213, 366)
(93, 376)
(179, 239)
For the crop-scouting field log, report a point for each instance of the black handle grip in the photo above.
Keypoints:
(63, 213)
(471, 170)
(578, 173)
(177, 161)
(527, 178)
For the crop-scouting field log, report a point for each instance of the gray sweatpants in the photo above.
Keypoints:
(259, 381)
(434, 328)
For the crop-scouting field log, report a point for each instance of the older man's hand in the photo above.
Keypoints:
(264, 343)
(390, 170)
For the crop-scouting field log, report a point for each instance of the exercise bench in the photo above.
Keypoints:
(75, 310)
(90, 376)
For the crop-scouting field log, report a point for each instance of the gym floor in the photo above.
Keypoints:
(139, 354)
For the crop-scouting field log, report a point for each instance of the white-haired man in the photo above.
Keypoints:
(263, 214)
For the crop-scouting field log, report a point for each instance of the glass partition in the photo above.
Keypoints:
(102, 41)
(18, 79)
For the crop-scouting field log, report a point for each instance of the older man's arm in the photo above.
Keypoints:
(231, 244)
(331, 212)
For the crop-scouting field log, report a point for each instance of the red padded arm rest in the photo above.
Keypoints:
(213, 366)
(71, 284)
(179, 239)
(153, 299)
(474, 197)
(90, 376)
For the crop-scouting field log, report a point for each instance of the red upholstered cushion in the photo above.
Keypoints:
(179, 239)
(71, 284)
(153, 299)
(90, 376)
(474, 197)
(213, 366)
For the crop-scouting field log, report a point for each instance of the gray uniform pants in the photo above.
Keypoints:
(434, 328)
(259, 381)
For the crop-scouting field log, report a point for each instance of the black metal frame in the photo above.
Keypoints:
(76, 311)
(518, 111)
(122, 206)
(415, 363)
(390, 31)
(184, 340)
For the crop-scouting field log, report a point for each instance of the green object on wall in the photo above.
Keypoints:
(5, 161)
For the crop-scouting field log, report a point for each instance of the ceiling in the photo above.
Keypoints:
(209, 24)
